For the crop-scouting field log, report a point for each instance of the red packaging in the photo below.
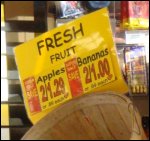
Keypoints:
(135, 14)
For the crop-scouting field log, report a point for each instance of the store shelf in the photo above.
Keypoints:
(13, 75)
(16, 133)
(13, 44)
(30, 26)
(16, 122)
(15, 98)
(14, 87)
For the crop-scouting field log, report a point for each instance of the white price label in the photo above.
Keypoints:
(135, 37)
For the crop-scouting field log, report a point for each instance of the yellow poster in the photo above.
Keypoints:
(74, 59)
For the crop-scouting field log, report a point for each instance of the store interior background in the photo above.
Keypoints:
(14, 121)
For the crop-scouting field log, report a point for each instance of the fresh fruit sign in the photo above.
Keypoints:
(69, 61)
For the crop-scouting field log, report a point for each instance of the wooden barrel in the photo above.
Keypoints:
(104, 116)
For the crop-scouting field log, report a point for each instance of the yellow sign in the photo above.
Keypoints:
(71, 60)
(2, 15)
(4, 115)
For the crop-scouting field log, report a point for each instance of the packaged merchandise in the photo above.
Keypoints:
(95, 5)
(67, 9)
(136, 71)
(135, 14)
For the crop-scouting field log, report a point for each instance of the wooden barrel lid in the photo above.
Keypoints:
(91, 116)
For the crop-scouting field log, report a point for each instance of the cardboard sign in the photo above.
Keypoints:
(74, 59)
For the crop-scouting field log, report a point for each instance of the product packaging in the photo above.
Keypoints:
(67, 9)
(136, 71)
(135, 14)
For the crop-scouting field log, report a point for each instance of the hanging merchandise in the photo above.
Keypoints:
(95, 5)
(67, 9)
(76, 58)
(136, 71)
(135, 14)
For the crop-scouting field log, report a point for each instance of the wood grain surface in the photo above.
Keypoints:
(103, 116)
